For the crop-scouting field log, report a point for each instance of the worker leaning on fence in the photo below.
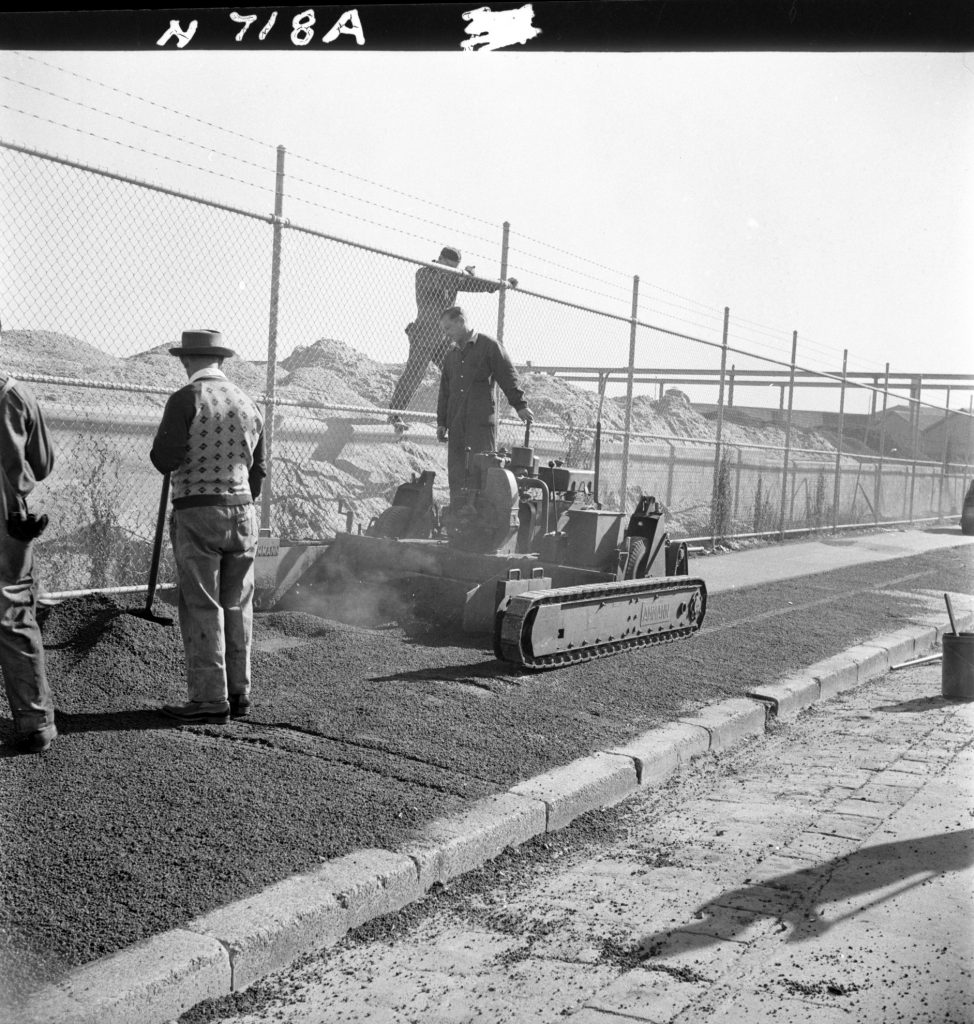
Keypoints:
(435, 291)
(211, 440)
(465, 414)
(27, 456)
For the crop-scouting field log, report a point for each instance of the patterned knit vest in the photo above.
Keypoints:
(222, 438)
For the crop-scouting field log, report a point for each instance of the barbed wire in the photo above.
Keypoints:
(230, 156)
(263, 168)
(571, 270)
(248, 138)
(522, 271)
(374, 223)
(135, 149)
(719, 317)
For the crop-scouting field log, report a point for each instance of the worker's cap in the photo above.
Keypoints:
(202, 343)
(449, 257)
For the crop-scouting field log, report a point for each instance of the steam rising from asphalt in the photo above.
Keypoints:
(382, 599)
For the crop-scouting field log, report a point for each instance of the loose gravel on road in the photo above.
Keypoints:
(358, 737)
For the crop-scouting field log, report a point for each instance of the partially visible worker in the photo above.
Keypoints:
(436, 290)
(26, 456)
(465, 414)
(211, 439)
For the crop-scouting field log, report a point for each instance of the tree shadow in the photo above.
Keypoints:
(794, 899)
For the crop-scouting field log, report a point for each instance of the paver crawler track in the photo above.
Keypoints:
(549, 628)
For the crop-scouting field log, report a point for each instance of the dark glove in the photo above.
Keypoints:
(512, 281)
(26, 527)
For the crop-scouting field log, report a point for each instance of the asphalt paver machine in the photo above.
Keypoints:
(557, 578)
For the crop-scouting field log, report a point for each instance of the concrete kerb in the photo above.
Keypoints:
(232, 947)
(311, 910)
(153, 980)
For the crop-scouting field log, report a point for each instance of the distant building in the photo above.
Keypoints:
(959, 430)
(896, 424)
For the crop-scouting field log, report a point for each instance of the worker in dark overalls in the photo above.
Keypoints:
(436, 290)
(27, 456)
(465, 414)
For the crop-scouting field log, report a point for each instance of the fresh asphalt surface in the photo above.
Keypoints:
(128, 826)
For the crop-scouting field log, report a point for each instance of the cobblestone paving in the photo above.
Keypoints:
(823, 873)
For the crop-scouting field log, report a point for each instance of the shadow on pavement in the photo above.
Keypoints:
(797, 897)
(500, 671)
(951, 530)
(915, 705)
(108, 721)
(112, 721)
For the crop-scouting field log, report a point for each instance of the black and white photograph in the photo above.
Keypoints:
(487, 514)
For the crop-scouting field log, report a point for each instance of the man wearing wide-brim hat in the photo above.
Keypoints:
(211, 439)
(436, 290)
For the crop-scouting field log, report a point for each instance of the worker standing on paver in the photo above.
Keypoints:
(27, 456)
(211, 439)
(435, 291)
(465, 414)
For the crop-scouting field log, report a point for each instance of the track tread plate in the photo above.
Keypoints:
(513, 627)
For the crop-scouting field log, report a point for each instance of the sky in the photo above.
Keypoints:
(824, 193)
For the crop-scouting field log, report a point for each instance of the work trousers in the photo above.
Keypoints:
(426, 345)
(215, 548)
(21, 650)
(465, 432)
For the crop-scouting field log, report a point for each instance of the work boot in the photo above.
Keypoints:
(35, 742)
(239, 705)
(199, 712)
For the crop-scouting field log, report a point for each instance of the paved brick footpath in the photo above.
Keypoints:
(821, 873)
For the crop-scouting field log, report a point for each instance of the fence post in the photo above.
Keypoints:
(837, 491)
(629, 381)
(735, 514)
(502, 296)
(916, 440)
(943, 461)
(882, 448)
(720, 429)
(730, 387)
(791, 402)
(970, 432)
(268, 487)
(670, 469)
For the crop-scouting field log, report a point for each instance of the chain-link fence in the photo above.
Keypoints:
(103, 272)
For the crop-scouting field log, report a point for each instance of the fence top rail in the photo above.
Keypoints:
(138, 182)
(314, 232)
(929, 379)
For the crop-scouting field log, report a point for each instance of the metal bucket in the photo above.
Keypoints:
(958, 666)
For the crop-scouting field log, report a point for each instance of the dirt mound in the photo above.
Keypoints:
(340, 362)
(46, 352)
(554, 400)
(320, 384)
